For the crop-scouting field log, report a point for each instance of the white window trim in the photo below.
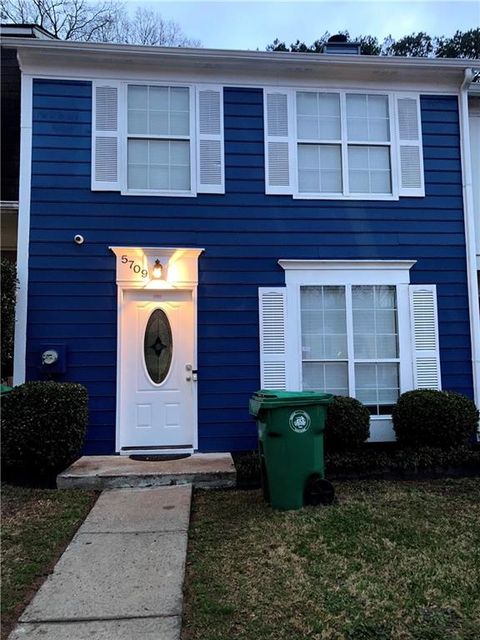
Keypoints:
(300, 273)
(124, 136)
(344, 143)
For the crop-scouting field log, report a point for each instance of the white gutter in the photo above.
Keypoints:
(469, 214)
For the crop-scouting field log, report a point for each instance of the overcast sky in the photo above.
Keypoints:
(229, 24)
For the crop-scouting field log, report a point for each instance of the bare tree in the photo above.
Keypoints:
(147, 27)
(66, 19)
(100, 21)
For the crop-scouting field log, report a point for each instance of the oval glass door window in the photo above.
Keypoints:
(157, 346)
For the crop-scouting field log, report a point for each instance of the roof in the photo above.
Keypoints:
(25, 31)
(39, 54)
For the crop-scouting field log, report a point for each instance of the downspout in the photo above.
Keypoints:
(469, 215)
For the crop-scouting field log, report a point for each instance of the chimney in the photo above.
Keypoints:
(338, 45)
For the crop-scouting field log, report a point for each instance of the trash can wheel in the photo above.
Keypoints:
(318, 491)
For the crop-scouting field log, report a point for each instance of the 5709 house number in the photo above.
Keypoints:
(134, 266)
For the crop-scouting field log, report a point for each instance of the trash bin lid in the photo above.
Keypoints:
(4, 389)
(270, 399)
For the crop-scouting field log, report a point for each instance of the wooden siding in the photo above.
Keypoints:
(72, 292)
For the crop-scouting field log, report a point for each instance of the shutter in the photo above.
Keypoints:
(272, 307)
(105, 136)
(210, 154)
(409, 144)
(424, 319)
(278, 145)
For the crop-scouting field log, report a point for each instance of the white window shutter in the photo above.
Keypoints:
(409, 144)
(278, 141)
(105, 136)
(424, 321)
(273, 315)
(210, 153)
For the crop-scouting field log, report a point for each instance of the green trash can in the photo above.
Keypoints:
(290, 440)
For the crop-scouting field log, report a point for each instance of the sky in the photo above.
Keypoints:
(229, 24)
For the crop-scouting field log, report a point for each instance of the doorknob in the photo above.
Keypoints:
(188, 369)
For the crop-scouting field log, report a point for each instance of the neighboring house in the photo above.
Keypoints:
(196, 224)
(10, 131)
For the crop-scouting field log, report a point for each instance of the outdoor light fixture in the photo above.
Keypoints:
(157, 269)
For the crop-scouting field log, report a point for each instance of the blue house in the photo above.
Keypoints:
(196, 224)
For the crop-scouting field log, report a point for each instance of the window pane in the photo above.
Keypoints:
(324, 327)
(138, 151)
(367, 118)
(179, 123)
(158, 177)
(159, 151)
(138, 176)
(308, 181)
(158, 123)
(319, 168)
(369, 169)
(318, 116)
(330, 377)
(307, 128)
(165, 165)
(137, 121)
(137, 97)
(375, 328)
(158, 98)
(377, 386)
(179, 99)
(180, 178)
(158, 110)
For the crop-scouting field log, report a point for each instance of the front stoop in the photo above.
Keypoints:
(202, 470)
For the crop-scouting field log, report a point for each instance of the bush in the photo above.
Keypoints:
(8, 296)
(430, 418)
(347, 425)
(43, 427)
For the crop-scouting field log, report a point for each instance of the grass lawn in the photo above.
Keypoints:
(389, 561)
(37, 524)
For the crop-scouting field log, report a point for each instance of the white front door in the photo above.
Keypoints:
(157, 395)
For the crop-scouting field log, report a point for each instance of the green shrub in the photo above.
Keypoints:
(43, 426)
(430, 418)
(8, 296)
(347, 425)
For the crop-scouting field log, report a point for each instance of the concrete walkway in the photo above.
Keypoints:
(121, 577)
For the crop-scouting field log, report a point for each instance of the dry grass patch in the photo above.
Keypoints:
(389, 561)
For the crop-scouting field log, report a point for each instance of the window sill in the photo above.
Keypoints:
(336, 196)
(163, 194)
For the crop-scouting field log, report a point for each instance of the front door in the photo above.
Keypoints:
(156, 405)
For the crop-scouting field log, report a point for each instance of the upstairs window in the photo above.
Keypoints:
(342, 144)
(157, 139)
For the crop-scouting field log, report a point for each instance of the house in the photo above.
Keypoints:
(196, 224)
(10, 131)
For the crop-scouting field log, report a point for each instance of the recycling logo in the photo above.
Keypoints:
(299, 421)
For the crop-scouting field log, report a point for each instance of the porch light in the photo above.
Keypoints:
(157, 269)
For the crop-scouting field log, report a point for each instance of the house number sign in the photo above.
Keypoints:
(134, 266)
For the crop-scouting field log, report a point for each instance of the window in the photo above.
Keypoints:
(157, 139)
(354, 328)
(362, 361)
(343, 144)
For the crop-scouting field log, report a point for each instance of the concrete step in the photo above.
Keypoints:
(202, 470)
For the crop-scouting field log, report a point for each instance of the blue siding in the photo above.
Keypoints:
(72, 291)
